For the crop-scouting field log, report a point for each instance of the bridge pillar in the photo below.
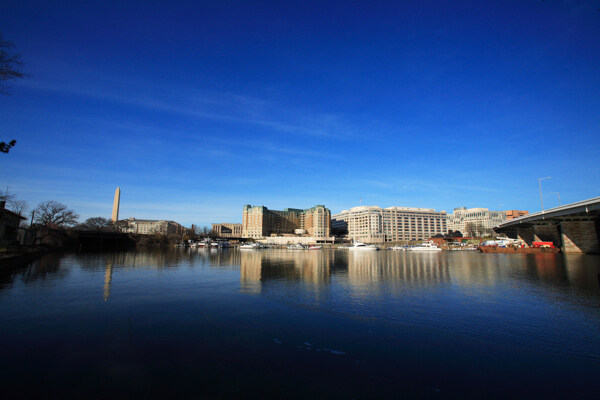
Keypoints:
(548, 233)
(526, 235)
(579, 237)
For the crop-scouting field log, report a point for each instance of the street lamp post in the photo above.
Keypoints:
(559, 203)
(541, 198)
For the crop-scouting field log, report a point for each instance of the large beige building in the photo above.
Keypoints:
(227, 230)
(372, 224)
(260, 222)
(475, 221)
(150, 226)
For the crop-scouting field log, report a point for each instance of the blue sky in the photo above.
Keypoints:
(197, 109)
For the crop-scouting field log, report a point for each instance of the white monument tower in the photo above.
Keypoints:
(115, 213)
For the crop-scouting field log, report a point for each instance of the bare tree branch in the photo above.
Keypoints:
(10, 64)
(53, 212)
(97, 224)
(17, 206)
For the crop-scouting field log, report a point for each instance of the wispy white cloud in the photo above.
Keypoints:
(227, 107)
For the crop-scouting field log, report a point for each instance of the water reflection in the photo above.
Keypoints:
(414, 270)
(46, 268)
(510, 298)
(107, 280)
(564, 273)
(259, 267)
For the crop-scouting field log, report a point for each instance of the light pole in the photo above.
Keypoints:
(559, 203)
(541, 198)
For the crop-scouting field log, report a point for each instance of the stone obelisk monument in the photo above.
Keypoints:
(115, 214)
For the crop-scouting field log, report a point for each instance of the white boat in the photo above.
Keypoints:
(402, 248)
(250, 246)
(360, 246)
(314, 247)
(425, 246)
(296, 246)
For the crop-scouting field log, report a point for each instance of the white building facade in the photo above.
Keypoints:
(372, 224)
(150, 226)
(475, 221)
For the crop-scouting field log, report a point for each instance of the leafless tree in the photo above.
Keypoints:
(18, 206)
(470, 229)
(97, 224)
(53, 212)
(13, 203)
(10, 68)
(480, 231)
(10, 64)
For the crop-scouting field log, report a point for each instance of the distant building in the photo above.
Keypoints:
(475, 221)
(227, 230)
(150, 226)
(260, 222)
(372, 224)
(9, 225)
(512, 214)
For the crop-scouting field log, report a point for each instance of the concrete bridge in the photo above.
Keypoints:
(573, 227)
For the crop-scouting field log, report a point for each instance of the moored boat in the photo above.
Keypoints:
(250, 246)
(360, 246)
(425, 246)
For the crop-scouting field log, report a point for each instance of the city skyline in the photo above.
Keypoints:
(195, 110)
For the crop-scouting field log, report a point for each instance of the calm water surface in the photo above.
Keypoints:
(301, 324)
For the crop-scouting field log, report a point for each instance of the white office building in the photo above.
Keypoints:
(372, 224)
(475, 221)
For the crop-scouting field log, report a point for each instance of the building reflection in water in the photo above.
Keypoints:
(259, 267)
(400, 269)
(360, 270)
(573, 277)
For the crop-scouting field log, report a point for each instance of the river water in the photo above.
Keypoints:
(301, 324)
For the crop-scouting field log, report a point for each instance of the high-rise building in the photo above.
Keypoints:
(372, 224)
(116, 203)
(475, 221)
(260, 222)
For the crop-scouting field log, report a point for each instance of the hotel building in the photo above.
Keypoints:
(372, 224)
(260, 222)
